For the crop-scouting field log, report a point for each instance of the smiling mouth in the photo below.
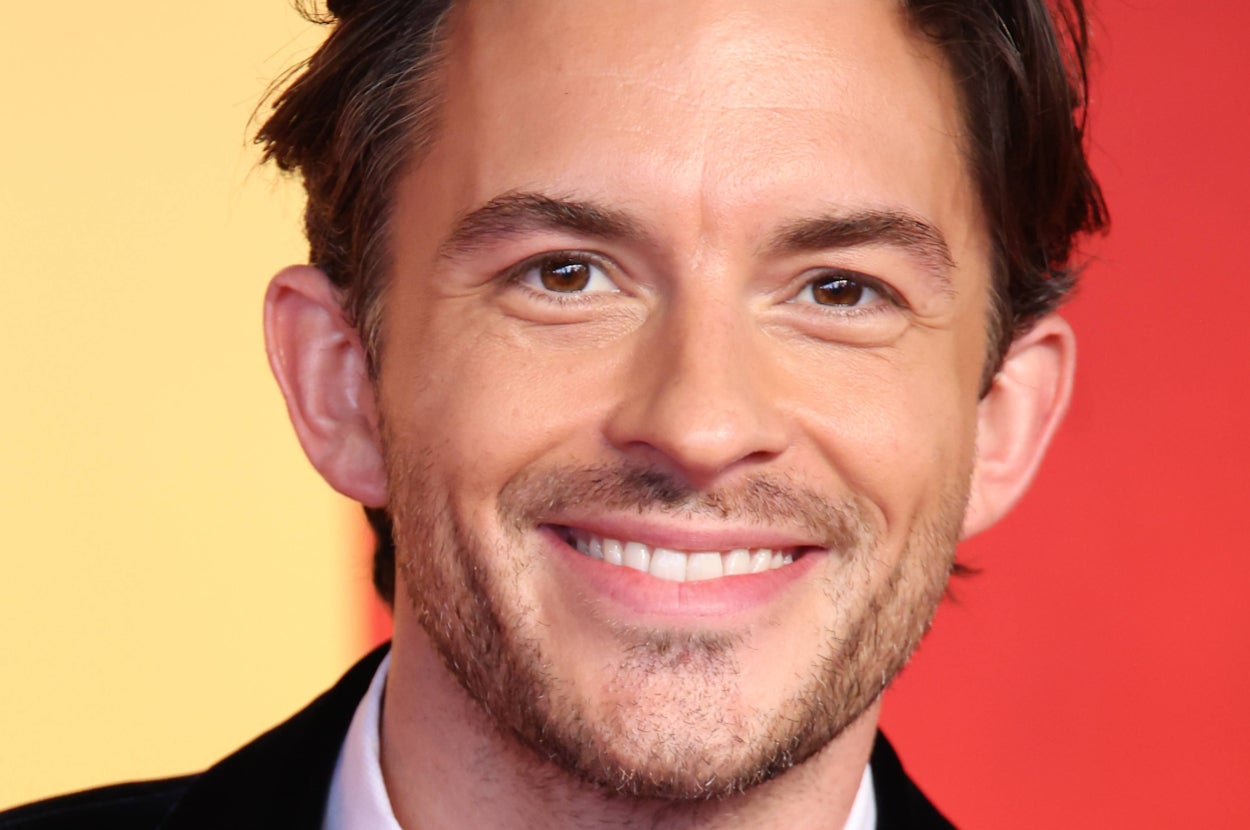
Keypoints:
(675, 565)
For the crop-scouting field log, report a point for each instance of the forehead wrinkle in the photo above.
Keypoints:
(703, 183)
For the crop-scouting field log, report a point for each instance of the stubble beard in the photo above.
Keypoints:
(675, 740)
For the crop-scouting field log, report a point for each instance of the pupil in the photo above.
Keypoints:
(565, 276)
(839, 291)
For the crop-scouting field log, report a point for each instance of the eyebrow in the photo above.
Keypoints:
(515, 214)
(889, 228)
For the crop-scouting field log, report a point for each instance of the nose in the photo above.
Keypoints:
(700, 398)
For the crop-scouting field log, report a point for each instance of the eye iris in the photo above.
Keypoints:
(838, 291)
(564, 276)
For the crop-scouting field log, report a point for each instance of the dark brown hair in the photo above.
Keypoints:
(1021, 69)
(353, 117)
(365, 106)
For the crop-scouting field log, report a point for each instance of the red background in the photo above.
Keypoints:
(1096, 673)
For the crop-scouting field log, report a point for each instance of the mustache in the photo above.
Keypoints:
(841, 524)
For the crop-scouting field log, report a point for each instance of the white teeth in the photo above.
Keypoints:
(738, 562)
(703, 566)
(637, 556)
(668, 564)
(679, 566)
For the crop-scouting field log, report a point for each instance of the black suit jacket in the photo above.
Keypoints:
(282, 779)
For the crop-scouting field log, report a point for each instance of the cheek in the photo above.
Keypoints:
(897, 428)
(481, 403)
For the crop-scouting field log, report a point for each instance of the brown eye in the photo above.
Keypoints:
(845, 290)
(838, 291)
(566, 274)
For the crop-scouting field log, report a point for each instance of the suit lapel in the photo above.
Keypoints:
(900, 803)
(283, 777)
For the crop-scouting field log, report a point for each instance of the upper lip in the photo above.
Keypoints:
(688, 536)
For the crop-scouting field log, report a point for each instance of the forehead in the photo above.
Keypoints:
(714, 109)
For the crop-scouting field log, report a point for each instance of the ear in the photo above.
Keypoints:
(1017, 417)
(319, 362)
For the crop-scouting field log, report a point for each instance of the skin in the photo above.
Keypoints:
(698, 356)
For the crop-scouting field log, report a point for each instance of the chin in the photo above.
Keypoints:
(648, 709)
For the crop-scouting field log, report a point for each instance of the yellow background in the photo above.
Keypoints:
(175, 578)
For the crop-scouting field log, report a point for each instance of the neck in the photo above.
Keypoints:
(447, 766)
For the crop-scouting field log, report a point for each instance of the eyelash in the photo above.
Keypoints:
(515, 274)
(891, 298)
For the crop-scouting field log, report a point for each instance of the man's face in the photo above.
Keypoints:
(692, 287)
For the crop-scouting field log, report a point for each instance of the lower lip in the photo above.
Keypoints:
(645, 595)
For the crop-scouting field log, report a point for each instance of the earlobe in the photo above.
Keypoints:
(319, 363)
(1017, 417)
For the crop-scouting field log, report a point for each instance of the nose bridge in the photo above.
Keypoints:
(698, 396)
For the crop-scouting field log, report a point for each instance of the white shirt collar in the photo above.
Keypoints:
(864, 809)
(358, 799)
